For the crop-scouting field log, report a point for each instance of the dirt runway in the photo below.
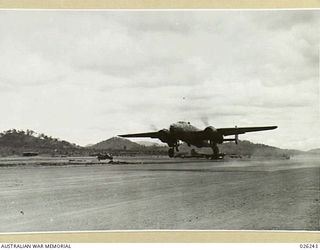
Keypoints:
(181, 194)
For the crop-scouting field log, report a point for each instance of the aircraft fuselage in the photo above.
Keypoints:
(186, 132)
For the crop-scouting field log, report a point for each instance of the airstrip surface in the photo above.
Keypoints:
(81, 194)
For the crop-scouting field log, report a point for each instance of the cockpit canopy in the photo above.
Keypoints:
(183, 122)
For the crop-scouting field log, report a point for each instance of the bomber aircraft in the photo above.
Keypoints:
(209, 137)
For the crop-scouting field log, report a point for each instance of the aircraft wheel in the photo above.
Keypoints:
(171, 152)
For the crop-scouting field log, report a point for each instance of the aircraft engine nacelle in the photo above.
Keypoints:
(213, 135)
(164, 135)
(209, 130)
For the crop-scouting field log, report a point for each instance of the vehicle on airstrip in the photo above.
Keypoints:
(29, 154)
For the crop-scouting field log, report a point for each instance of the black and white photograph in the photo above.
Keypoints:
(159, 120)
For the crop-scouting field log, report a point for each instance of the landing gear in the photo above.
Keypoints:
(173, 146)
(215, 150)
(171, 152)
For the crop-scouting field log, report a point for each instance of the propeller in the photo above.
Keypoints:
(153, 127)
(205, 120)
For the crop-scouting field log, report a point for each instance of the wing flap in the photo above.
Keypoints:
(242, 130)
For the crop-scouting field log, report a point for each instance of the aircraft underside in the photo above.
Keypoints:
(215, 150)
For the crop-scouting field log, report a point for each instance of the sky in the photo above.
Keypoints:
(86, 76)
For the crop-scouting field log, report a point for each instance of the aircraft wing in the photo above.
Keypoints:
(242, 130)
(149, 134)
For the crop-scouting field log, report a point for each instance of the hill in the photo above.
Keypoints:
(15, 142)
(256, 149)
(18, 142)
(122, 146)
(314, 151)
(117, 143)
(245, 148)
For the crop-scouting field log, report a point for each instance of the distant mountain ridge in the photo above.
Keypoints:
(244, 148)
(314, 151)
(117, 143)
(15, 142)
(123, 146)
(150, 143)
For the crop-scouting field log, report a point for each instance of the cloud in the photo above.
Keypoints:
(23, 67)
(284, 20)
(158, 23)
(126, 71)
